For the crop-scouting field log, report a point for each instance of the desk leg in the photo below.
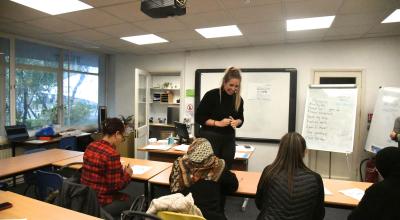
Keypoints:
(13, 155)
(146, 194)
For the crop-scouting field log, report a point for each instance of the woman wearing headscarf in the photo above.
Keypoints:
(204, 175)
(382, 200)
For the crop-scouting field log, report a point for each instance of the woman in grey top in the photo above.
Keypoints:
(395, 135)
(287, 188)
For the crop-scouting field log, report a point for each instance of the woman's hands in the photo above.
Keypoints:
(228, 122)
(393, 135)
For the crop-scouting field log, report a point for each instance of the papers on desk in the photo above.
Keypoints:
(162, 141)
(182, 147)
(244, 148)
(241, 155)
(354, 193)
(139, 169)
(36, 141)
(327, 192)
(157, 147)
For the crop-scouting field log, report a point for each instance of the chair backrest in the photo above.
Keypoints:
(136, 215)
(166, 215)
(69, 143)
(35, 150)
(30, 177)
(47, 183)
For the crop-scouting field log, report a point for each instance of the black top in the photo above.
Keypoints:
(212, 107)
(208, 195)
(305, 202)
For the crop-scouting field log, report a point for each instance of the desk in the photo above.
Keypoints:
(248, 182)
(171, 154)
(19, 164)
(28, 208)
(156, 168)
(55, 140)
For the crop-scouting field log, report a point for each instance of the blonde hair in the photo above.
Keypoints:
(232, 73)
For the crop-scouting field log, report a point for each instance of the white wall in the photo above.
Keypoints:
(379, 58)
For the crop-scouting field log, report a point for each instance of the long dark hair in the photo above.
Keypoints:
(289, 158)
(232, 73)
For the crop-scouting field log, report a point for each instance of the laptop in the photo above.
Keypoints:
(17, 133)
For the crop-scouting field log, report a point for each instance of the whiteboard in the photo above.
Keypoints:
(269, 97)
(387, 109)
(329, 118)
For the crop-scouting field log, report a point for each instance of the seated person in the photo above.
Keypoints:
(287, 188)
(395, 135)
(381, 200)
(203, 174)
(102, 169)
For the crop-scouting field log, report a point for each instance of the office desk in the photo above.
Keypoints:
(55, 140)
(248, 182)
(32, 209)
(171, 154)
(156, 168)
(19, 164)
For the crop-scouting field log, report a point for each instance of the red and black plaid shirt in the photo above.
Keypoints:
(103, 172)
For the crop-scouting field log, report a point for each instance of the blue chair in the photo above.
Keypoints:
(30, 176)
(48, 183)
(69, 143)
(3, 186)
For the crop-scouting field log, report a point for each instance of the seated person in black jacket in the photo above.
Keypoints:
(203, 174)
(287, 188)
(382, 200)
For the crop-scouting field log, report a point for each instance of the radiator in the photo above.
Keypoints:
(5, 153)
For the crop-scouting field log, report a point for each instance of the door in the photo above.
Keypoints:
(142, 95)
(339, 165)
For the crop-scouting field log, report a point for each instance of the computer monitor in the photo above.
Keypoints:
(16, 132)
(182, 132)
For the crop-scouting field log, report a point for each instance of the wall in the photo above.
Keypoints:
(378, 58)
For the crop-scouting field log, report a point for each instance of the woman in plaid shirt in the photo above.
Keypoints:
(103, 171)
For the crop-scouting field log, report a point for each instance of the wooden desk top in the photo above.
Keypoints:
(338, 198)
(248, 182)
(172, 151)
(18, 164)
(156, 166)
(28, 208)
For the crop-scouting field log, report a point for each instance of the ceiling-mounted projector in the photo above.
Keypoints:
(163, 8)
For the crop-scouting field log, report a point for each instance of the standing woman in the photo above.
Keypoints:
(219, 113)
(287, 188)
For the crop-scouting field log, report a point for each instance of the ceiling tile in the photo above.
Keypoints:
(348, 30)
(358, 19)
(262, 27)
(54, 24)
(389, 28)
(199, 6)
(197, 44)
(87, 35)
(91, 18)
(19, 12)
(21, 28)
(181, 35)
(365, 6)
(342, 37)
(271, 12)
(99, 3)
(229, 4)
(164, 46)
(208, 19)
(121, 30)
(266, 38)
(5, 20)
(160, 25)
(307, 34)
(128, 12)
(311, 8)
(113, 43)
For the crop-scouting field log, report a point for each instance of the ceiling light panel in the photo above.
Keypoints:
(144, 39)
(222, 31)
(309, 23)
(54, 7)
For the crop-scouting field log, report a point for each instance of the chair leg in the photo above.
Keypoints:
(27, 188)
(244, 205)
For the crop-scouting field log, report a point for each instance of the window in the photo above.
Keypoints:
(80, 81)
(5, 80)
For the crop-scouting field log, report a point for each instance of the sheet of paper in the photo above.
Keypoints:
(36, 141)
(139, 169)
(327, 191)
(243, 148)
(162, 141)
(354, 193)
(157, 147)
(182, 147)
(241, 155)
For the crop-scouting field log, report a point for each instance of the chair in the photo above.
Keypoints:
(30, 177)
(166, 215)
(49, 185)
(3, 186)
(69, 143)
(136, 215)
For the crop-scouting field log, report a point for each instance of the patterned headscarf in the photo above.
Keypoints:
(198, 163)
